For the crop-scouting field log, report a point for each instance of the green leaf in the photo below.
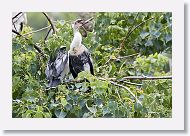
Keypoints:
(149, 43)
(144, 34)
(38, 115)
(47, 115)
(137, 107)
(78, 85)
(39, 108)
(92, 109)
(99, 102)
(105, 110)
(63, 101)
(112, 69)
(27, 114)
(60, 114)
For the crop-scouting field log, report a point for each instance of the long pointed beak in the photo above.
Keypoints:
(87, 21)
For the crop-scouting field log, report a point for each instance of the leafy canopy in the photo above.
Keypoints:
(122, 44)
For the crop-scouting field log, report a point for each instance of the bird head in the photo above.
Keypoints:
(77, 24)
(83, 26)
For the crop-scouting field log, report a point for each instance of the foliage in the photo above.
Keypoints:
(110, 46)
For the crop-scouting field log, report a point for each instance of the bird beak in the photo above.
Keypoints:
(85, 22)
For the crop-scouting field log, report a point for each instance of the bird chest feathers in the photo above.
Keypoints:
(76, 50)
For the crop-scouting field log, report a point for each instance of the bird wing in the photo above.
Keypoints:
(82, 62)
(90, 62)
(57, 69)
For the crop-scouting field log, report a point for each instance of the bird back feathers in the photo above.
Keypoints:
(57, 67)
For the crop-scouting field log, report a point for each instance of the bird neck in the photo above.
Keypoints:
(77, 40)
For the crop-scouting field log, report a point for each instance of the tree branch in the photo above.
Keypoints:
(143, 78)
(121, 57)
(133, 24)
(130, 83)
(131, 31)
(126, 88)
(35, 46)
(125, 57)
(16, 15)
(50, 21)
(122, 43)
(47, 35)
(138, 26)
(37, 30)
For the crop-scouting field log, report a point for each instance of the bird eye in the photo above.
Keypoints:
(80, 20)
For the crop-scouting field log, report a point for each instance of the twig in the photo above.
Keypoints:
(50, 21)
(119, 96)
(35, 46)
(13, 22)
(37, 30)
(148, 78)
(130, 83)
(14, 31)
(126, 88)
(143, 78)
(138, 26)
(121, 57)
(14, 25)
(73, 81)
(125, 57)
(133, 24)
(108, 60)
(122, 43)
(47, 35)
(130, 32)
(122, 66)
(16, 15)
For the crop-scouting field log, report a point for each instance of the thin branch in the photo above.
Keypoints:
(108, 60)
(16, 15)
(133, 24)
(47, 35)
(125, 57)
(50, 21)
(14, 25)
(16, 20)
(148, 78)
(13, 22)
(122, 43)
(121, 57)
(14, 31)
(122, 65)
(73, 81)
(138, 26)
(119, 96)
(35, 46)
(35, 31)
(143, 78)
(130, 83)
(130, 32)
(126, 88)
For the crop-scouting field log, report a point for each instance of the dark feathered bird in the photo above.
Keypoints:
(57, 68)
